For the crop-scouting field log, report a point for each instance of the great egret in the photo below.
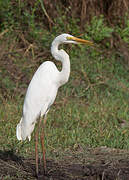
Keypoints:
(42, 92)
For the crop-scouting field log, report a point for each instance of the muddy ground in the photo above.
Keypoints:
(93, 164)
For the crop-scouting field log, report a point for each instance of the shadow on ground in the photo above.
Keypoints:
(94, 164)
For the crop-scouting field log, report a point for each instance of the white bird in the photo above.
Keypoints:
(42, 92)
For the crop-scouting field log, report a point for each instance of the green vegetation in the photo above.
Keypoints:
(92, 109)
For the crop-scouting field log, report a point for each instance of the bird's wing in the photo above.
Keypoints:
(43, 87)
(41, 93)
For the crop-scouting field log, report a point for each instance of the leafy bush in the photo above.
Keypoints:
(97, 29)
(124, 32)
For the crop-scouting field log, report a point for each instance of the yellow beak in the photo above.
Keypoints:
(81, 41)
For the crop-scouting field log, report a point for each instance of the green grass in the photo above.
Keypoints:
(89, 110)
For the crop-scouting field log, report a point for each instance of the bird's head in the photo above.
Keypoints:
(67, 39)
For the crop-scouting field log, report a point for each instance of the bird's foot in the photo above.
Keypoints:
(41, 176)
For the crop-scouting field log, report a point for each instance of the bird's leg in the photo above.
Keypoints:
(36, 146)
(43, 146)
(36, 149)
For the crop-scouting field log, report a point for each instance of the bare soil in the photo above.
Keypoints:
(93, 164)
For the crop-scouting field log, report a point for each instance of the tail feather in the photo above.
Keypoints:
(18, 131)
(21, 133)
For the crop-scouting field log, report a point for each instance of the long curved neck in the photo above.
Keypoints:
(65, 72)
(61, 55)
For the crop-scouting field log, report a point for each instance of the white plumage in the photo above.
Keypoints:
(40, 96)
(42, 90)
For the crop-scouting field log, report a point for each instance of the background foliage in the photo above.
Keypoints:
(93, 108)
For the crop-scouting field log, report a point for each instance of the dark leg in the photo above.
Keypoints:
(42, 144)
(36, 150)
